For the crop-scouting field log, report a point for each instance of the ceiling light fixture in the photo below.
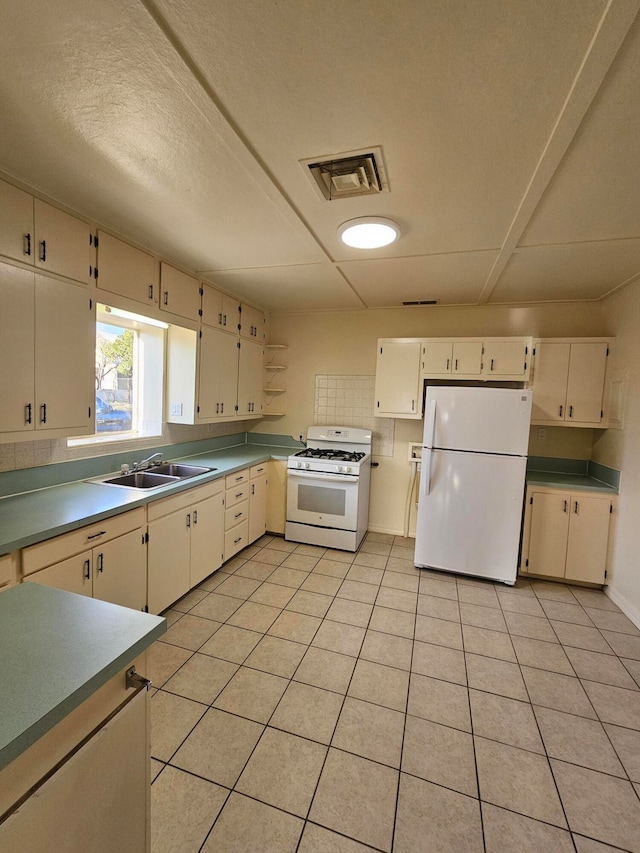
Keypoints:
(369, 232)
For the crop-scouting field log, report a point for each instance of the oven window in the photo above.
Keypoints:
(322, 499)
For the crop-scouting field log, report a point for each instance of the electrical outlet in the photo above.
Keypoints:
(176, 409)
(542, 433)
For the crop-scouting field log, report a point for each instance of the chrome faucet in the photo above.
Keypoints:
(138, 466)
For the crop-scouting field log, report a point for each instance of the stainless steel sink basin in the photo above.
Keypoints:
(175, 469)
(139, 480)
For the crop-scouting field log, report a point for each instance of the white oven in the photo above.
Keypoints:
(324, 500)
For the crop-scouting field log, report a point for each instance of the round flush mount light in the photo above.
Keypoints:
(369, 232)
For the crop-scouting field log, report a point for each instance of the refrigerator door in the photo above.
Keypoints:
(483, 420)
(469, 513)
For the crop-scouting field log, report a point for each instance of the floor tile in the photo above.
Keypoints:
(516, 603)
(439, 662)
(254, 616)
(377, 562)
(236, 562)
(440, 632)
(183, 809)
(190, 632)
(356, 797)
(163, 660)
(277, 656)
(518, 780)
(350, 612)
(172, 616)
(338, 637)
(218, 747)
(404, 553)
(387, 649)
(252, 694)
(440, 754)
(530, 626)
(216, 607)
(283, 771)
(496, 676)
(588, 845)
(270, 556)
(507, 832)
(626, 743)
(273, 594)
(321, 583)
(308, 711)
(331, 568)
(402, 566)
(295, 626)
(201, 678)
(339, 556)
(552, 591)
(187, 602)
(578, 741)
(255, 570)
(247, 826)
(633, 668)
(599, 806)
(231, 643)
(505, 720)
(482, 617)
(280, 544)
(396, 622)
(317, 839)
(287, 576)
(356, 591)
(366, 574)
(615, 704)
(385, 538)
(594, 598)
(493, 644)
(156, 767)
(566, 612)
(382, 685)
(310, 550)
(595, 666)
(439, 701)
(302, 562)
(556, 691)
(474, 595)
(541, 655)
(438, 588)
(238, 587)
(441, 608)
(172, 718)
(213, 581)
(624, 645)
(309, 603)
(608, 620)
(581, 637)
(370, 731)
(397, 599)
(370, 546)
(434, 819)
(326, 669)
(397, 580)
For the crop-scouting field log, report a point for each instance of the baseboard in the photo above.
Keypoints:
(628, 609)
(372, 528)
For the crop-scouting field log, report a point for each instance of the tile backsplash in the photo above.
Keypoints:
(349, 401)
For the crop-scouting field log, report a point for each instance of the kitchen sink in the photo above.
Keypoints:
(175, 469)
(139, 480)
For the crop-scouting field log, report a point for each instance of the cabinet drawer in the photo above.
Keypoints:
(61, 547)
(236, 495)
(8, 563)
(235, 514)
(257, 470)
(236, 539)
(232, 480)
(182, 500)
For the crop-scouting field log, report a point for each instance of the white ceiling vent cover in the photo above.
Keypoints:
(347, 175)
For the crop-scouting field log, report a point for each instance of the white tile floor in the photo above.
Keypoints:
(319, 701)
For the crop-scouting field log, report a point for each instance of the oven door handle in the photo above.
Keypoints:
(320, 475)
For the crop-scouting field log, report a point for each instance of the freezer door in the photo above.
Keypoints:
(484, 420)
(469, 513)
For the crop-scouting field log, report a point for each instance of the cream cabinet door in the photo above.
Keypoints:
(16, 224)
(207, 538)
(125, 270)
(180, 293)
(63, 243)
(218, 375)
(467, 358)
(230, 314)
(588, 538)
(120, 571)
(251, 323)
(276, 495)
(250, 372)
(17, 349)
(257, 507)
(65, 354)
(585, 386)
(72, 575)
(398, 391)
(548, 534)
(437, 358)
(168, 558)
(505, 358)
(227, 366)
(211, 306)
(550, 375)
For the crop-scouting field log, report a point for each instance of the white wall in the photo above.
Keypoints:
(344, 343)
(621, 449)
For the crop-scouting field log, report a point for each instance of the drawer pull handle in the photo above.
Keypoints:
(570, 411)
(575, 509)
(166, 297)
(43, 413)
(95, 535)
(565, 507)
(27, 244)
(238, 515)
(100, 562)
(43, 250)
(151, 291)
(87, 570)
(188, 519)
(448, 362)
(560, 412)
(239, 495)
(28, 413)
(491, 364)
(195, 516)
(456, 364)
(239, 539)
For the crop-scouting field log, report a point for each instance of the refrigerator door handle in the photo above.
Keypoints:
(425, 471)
(430, 424)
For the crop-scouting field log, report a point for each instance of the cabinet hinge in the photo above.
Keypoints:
(380, 350)
(531, 500)
(146, 608)
(605, 573)
(378, 404)
(89, 411)
(238, 344)
(90, 304)
(482, 353)
(534, 351)
(95, 273)
(239, 309)
(236, 408)
(200, 333)
(95, 241)
(199, 312)
(601, 414)
(91, 239)
(526, 563)
(201, 291)
(526, 350)
(198, 409)
(610, 509)
(525, 365)
(607, 354)
(146, 537)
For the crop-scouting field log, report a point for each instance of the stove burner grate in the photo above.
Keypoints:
(332, 455)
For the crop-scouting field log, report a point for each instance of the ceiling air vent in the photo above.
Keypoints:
(421, 302)
(354, 173)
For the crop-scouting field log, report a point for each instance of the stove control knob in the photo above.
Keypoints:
(307, 465)
(348, 469)
(299, 464)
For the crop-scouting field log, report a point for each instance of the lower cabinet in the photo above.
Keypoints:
(258, 501)
(8, 570)
(276, 496)
(113, 569)
(566, 534)
(236, 514)
(185, 543)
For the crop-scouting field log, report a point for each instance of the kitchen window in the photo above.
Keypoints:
(129, 364)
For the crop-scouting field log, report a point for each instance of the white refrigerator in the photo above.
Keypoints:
(472, 479)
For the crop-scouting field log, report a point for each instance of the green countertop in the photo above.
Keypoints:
(35, 516)
(561, 480)
(58, 648)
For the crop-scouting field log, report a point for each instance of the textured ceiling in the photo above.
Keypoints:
(509, 131)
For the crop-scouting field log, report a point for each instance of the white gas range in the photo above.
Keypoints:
(328, 488)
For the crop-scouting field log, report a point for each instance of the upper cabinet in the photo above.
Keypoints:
(486, 359)
(34, 232)
(252, 323)
(220, 310)
(568, 382)
(127, 271)
(180, 292)
(398, 392)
